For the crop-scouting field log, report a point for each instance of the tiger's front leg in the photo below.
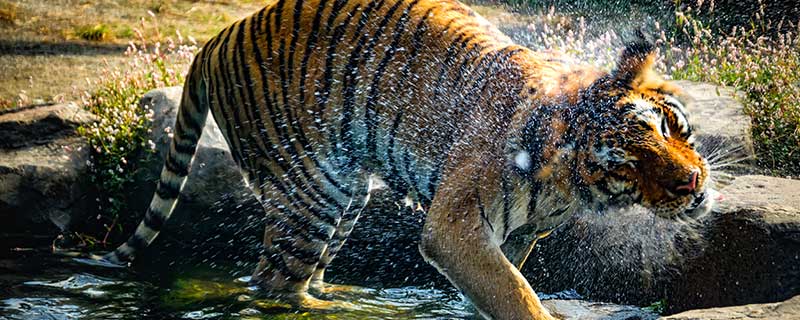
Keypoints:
(456, 241)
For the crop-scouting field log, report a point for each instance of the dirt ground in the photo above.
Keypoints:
(48, 48)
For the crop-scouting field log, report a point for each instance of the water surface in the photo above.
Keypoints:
(45, 286)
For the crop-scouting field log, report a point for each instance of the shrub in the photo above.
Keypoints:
(121, 133)
(763, 67)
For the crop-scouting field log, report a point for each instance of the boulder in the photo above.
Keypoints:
(789, 309)
(587, 310)
(747, 251)
(213, 174)
(752, 253)
(43, 172)
(216, 209)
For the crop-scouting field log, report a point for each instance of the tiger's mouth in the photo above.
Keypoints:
(696, 206)
(701, 204)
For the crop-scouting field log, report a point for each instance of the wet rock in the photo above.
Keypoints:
(753, 250)
(217, 212)
(789, 309)
(213, 174)
(43, 172)
(747, 251)
(586, 310)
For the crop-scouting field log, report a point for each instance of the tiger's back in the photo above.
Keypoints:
(320, 90)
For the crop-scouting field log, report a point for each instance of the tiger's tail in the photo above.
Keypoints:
(189, 124)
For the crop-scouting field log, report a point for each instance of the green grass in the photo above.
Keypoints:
(49, 48)
(764, 68)
(121, 134)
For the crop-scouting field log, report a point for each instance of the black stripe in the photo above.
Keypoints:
(459, 44)
(287, 246)
(413, 176)
(275, 260)
(136, 242)
(298, 9)
(311, 42)
(329, 219)
(416, 45)
(370, 113)
(506, 205)
(286, 74)
(327, 82)
(185, 149)
(254, 109)
(481, 210)
(310, 45)
(351, 78)
(175, 166)
(558, 212)
(219, 93)
(298, 227)
(439, 90)
(153, 220)
(277, 121)
(186, 120)
(441, 94)
(500, 55)
(232, 86)
(396, 181)
(280, 127)
(335, 12)
(245, 91)
(536, 188)
(166, 191)
(206, 52)
(295, 210)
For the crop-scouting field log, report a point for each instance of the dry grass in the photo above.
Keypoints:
(48, 48)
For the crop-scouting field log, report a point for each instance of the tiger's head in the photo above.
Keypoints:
(635, 143)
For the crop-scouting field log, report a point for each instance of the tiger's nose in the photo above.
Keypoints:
(687, 187)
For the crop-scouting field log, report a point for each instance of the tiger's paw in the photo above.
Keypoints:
(324, 288)
(302, 301)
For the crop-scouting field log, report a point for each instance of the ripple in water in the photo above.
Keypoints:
(89, 295)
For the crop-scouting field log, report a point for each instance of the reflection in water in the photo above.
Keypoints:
(48, 287)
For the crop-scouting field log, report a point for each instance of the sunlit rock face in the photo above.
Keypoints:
(753, 250)
(789, 309)
(44, 184)
(217, 216)
(746, 251)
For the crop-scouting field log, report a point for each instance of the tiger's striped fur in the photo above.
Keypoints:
(318, 99)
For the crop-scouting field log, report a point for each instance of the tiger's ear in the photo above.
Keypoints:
(635, 65)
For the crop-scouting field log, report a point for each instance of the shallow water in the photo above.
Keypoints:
(44, 286)
(41, 285)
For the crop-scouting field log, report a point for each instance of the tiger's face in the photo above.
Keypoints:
(642, 149)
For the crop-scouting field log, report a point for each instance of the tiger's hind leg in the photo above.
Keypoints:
(343, 230)
(295, 238)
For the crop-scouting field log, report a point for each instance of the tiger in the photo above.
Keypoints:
(323, 102)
